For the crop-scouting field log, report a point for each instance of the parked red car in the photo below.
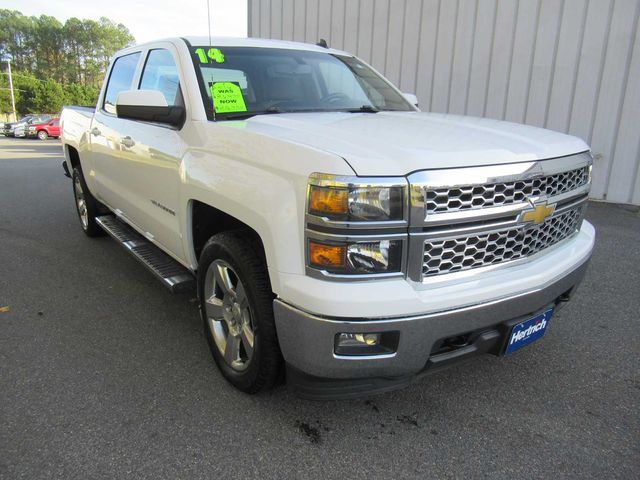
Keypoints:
(44, 130)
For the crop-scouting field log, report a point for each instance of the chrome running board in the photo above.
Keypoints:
(172, 274)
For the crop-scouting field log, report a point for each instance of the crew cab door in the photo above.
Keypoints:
(137, 162)
(154, 153)
(108, 154)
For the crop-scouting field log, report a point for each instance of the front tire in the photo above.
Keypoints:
(43, 135)
(236, 305)
(87, 207)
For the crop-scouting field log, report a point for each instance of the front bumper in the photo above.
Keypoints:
(307, 340)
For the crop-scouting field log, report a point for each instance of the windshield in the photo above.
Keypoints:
(239, 82)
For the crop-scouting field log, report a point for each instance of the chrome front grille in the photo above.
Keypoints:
(466, 197)
(473, 217)
(481, 250)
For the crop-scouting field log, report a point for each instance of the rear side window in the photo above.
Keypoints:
(120, 79)
(160, 73)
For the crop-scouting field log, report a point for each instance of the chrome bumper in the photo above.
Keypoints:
(307, 341)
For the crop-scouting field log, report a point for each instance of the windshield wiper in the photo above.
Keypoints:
(363, 108)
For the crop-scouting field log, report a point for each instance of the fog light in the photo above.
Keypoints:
(366, 343)
(358, 339)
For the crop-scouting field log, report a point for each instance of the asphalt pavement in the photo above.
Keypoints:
(105, 374)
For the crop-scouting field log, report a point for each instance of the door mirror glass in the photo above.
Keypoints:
(149, 106)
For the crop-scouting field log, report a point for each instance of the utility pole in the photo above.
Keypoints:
(13, 100)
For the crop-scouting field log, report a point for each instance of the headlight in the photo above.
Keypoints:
(356, 226)
(354, 199)
(356, 257)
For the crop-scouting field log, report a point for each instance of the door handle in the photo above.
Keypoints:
(95, 131)
(127, 141)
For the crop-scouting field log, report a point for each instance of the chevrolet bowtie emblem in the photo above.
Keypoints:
(539, 213)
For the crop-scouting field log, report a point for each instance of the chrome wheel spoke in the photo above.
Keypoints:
(247, 339)
(241, 296)
(222, 279)
(232, 350)
(214, 307)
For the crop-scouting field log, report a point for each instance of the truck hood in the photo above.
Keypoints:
(398, 143)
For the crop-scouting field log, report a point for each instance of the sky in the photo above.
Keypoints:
(148, 19)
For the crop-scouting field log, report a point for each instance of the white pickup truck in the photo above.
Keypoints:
(333, 230)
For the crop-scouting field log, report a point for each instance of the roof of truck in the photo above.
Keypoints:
(249, 42)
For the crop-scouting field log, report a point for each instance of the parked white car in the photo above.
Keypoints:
(329, 226)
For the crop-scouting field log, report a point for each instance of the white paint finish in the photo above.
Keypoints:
(150, 98)
(567, 65)
(398, 143)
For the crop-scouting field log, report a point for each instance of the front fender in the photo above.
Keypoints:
(261, 182)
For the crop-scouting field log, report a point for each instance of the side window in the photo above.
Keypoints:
(160, 73)
(120, 79)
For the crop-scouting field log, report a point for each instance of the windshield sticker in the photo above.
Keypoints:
(227, 97)
(213, 53)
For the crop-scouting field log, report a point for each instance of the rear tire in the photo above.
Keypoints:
(87, 207)
(43, 135)
(236, 306)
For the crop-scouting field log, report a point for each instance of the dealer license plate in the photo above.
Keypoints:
(528, 331)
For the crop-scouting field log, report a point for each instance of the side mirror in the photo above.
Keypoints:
(411, 98)
(148, 106)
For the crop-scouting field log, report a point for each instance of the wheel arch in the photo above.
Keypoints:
(72, 156)
(206, 221)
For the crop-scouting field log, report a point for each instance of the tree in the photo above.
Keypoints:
(77, 94)
(49, 96)
(53, 57)
(25, 89)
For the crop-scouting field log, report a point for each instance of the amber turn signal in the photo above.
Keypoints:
(332, 201)
(327, 256)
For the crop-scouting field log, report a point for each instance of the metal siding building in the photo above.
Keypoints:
(567, 65)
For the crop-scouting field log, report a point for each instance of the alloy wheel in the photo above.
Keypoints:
(81, 202)
(229, 315)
